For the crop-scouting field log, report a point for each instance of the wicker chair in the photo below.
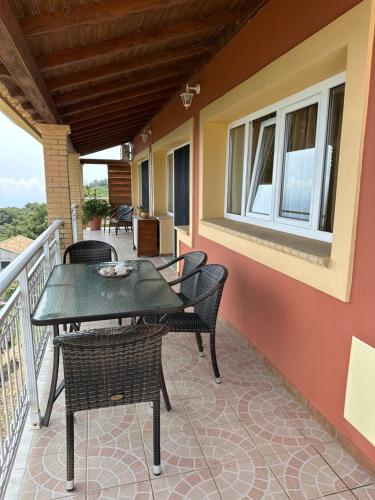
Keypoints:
(210, 285)
(188, 279)
(123, 218)
(111, 367)
(90, 252)
(112, 214)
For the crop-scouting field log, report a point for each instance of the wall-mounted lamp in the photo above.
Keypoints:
(187, 96)
(145, 134)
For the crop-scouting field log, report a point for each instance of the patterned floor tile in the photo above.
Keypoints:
(108, 425)
(365, 493)
(226, 445)
(311, 428)
(45, 477)
(110, 466)
(171, 422)
(135, 491)
(197, 485)
(179, 453)
(234, 392)
(345, 466)
(252, 480)
(206, 412)
(184, 358)
(192, 386)
(344, 495)
(304, 474)
(273, 434)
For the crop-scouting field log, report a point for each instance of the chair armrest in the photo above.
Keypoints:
(183, 278)
(204, 296)
(170, 263)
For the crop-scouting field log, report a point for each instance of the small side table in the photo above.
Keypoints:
(146, 236)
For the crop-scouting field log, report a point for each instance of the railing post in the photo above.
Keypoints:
(26, 328)
(58, 250)
(46, 259)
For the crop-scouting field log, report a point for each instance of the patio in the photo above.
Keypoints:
(246, 438)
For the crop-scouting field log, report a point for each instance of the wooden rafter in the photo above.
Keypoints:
(136, 121)
(128, 83)
(114, 163)
(85, 148)
(92, 13)
(170, 85)
(160, 57)
(112, 46)
(18, 60)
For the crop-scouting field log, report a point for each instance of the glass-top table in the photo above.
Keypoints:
(77, 293)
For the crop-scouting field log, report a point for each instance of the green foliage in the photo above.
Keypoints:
(97, 189)
(95, 208)
(29, 221)
(9, 291)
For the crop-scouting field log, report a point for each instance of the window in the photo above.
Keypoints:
(170, 184)
(144, 185)
(283, 161)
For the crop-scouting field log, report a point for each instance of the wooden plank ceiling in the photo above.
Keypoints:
(106, 67)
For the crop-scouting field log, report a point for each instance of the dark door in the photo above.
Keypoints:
(145, 185)
(181, 188)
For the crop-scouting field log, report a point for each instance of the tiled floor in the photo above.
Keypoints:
(247, 438)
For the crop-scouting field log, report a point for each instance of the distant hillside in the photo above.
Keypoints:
(30, 221)
(98, 189)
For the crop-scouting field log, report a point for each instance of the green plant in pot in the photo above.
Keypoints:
(144, 212)
(93, 212)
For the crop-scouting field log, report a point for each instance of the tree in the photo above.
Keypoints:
(29, 221)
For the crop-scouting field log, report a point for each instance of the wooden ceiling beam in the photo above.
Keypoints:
(93, 161)
(122, 84)
(89, 14)
(138, 103)
(135, 40)
(109, 127)
(170, 85)
(97, 73)
(88, 147)
(18, 60)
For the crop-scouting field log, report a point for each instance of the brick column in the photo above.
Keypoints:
(56, 168)
(76, 188)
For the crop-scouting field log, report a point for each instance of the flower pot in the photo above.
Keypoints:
(95, 223)
(145, 214)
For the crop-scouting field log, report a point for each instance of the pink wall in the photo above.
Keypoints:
(306, 334)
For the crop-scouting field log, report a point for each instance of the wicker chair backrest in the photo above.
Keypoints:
(192, 261)
(210, 276)
(90, 252)
(126, 214)
(111, 366)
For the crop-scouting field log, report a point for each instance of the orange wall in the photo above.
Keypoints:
(305, 333)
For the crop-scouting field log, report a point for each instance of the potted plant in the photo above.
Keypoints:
(94, 210)
(144, 212)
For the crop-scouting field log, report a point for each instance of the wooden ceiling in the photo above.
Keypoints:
(106, 67)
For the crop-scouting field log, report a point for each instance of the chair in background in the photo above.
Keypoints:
(113, 214)
(123, 218)
(111, 367)
(206, 302)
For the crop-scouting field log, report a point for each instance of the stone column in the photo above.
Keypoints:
(56, 168)
(76, 188)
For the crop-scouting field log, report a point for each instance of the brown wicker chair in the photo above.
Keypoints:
(206, 302)
(111, 367)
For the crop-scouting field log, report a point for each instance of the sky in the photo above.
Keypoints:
(22, 166)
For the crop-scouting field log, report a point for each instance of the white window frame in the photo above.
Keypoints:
(170, 153)
(318, 93)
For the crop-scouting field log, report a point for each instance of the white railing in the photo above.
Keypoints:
(74, 214)
(22, 345)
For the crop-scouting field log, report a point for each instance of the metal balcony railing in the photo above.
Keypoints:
(22, 345)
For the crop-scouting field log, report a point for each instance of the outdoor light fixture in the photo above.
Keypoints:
(187, 96)
(145, 135)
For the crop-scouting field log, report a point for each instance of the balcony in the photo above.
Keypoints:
(248, 437)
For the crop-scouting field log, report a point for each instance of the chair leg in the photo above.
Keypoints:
(156, 437)
(119, 321)
(213, 358)
(69, 451)
(163, 388)
(198, 338)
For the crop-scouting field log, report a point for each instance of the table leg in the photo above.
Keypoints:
(53, 393)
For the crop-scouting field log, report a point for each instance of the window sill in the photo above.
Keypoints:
(313, 251)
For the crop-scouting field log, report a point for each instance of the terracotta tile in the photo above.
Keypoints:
(45, 477)
(110, 466)
(108, 425)
(206, 412)
(184, 358)
(227, 444)
(192, 386)
(179, 453)
(304, 474)
(346, 467)
(135, 491)
(190, 486)
(311, 428)
(344, 495)
(251, 480)
(273, 434)
(171, 422)
(365, 493)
